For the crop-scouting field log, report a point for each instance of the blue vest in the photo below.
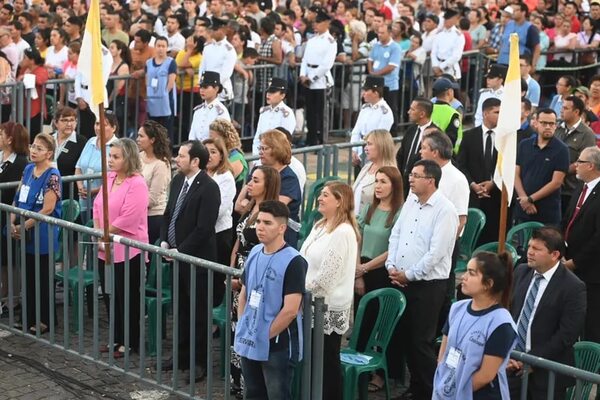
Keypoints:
(264, 274)
(521, 30)
(34, 202)
(468, 334)
(159, 101)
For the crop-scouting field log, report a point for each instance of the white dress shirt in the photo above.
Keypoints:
(371, 117)
(455, 187)
(423, 238)
(318, 60)
(226, 183)
(220, 57)
(272, 117)
(447, 51)
(485, 94)
(204, 115)
(590, 188)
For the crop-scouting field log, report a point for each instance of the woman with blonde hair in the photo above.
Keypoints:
(226, 131)
(379, 151)
(331, 250)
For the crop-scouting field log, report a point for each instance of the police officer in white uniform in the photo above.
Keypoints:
(495, 87)
(210, 109)
(375, 114)
(315, 75)
(276, 113)
(220, 56)
(448, 47)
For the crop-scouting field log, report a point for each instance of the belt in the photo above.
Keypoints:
(312, 66)
(84, 87)
(439, 59)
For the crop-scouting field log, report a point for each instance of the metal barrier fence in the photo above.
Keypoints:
(81, 275)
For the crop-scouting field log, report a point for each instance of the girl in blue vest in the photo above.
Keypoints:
(161, 98)
(39, 191)
(479, 334)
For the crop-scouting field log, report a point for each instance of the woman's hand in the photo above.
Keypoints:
(15, 231)
(236, 286)
(359, 286)
(82, 192)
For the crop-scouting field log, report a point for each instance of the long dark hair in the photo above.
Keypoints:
(397, 195)
(161, 146)
(496, 271)
(125, 53)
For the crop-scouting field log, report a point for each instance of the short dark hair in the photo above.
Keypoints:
(571, 81)
(546, 110)
(250, 52)
(594, 78)
(18, 26)
(432, 169)
(276, 208)
(267, 25)
(523, 7)
(551, 237)
(526, 58)
(144, 35)
(526, 103)
(75, 21)
(27, 16)
(197, 150)
(8, 7)
(490, 102)
(425, 105)
(161, 38)
(578, 104)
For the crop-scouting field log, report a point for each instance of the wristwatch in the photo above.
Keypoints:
(529, 199)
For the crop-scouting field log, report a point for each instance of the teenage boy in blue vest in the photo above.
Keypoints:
(268, 334)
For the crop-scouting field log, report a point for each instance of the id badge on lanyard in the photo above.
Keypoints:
(453, 358)
(255, 299)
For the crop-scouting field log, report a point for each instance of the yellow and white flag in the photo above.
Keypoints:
(90, 59)
(509, 121)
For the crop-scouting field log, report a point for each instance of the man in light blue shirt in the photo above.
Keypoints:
(384, 60)
(533, 87)
(418, 263)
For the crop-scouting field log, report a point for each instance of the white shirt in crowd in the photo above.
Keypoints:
(455, 188)
(226, 183)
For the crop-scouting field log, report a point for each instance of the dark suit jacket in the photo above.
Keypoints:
(558, 320)
(583, 244)
(67, 159)
(195, 224)
(403, 159)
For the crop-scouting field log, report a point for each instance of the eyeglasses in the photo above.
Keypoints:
(262, 149)
(547, 123)
(33, 147)
(417, 176)
(578, 161)
(68, 121)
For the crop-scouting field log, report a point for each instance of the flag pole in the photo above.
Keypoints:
(106, 238)
(503, 218)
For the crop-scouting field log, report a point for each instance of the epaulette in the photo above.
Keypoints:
(228, 47)
(366, 105)
(485, 90)
(331, 40)
(199, 106)
(264, 108)
(384, 109)
(220, 110)
(285, 112)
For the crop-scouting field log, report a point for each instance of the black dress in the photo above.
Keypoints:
(68, 155)
(11, 170)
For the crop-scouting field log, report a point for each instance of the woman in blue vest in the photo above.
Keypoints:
(39, 191)
(161, 98)
(479, 334)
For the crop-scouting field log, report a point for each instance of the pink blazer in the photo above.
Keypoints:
(127, 210)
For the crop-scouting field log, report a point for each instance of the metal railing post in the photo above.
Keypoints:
(318, 347)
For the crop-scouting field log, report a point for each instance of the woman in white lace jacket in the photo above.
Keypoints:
(330, 251)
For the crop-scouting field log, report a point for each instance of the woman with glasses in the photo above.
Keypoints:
(39, 191)
(90, 163)
(33, 63)
(128, 217)
(69, 146)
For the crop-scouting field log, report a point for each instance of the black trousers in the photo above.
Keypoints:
(592, 322)
(224, 247)
(537, 389)
(32, 294)
(415, 334)
(315, 116)
(133, 312)
(190, 100)
(86, 120)
(184, 304)
(154, 222)
(332, 385)
(450, 290)
(35, 127)
(392, 97)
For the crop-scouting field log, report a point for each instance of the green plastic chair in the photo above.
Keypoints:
(391, 307)
(311, 214)
(219, 318)
(70, 213)
(587, 358)
(151, 299)
(72, 276)
(518, 236)
(471, 233)
(493, 247)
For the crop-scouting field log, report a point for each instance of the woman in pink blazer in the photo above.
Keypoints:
(128, 217)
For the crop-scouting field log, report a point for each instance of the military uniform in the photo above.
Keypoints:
(485, 94)
(317, 62)
(204, 115)
(371, 117)
(447, 51)
(272, 117)
(220, 57)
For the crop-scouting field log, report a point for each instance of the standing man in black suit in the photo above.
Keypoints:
(419, 114)
(189, 227)
(477, 160)
(548, 306)
(581, 227)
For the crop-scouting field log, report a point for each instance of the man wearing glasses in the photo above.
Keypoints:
(419, 261)
(542, 164)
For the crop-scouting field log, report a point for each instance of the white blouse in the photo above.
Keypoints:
(226, 183)
(331, 261)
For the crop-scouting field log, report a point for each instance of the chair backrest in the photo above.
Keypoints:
(587, 358)
(314, 192)
(473, 228)
(391, 307)
(152, 279)
(70, 210)
(493, 247)
(519, 235)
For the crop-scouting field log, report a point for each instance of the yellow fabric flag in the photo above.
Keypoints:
(509, 121)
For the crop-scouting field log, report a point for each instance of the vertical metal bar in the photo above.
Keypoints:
(142, 322)
(28, 113)
(336, 159)
(50, 282)
(111, 319)
(192, 332)
(524, 382)
(96, 322)
(551, 382)
(79, 310)
(175, 323)
(578, 390)
(38, 284)
(159, 308)
(11, 278)
(24, 280)
(227, 334)
(126, 105)
(209, 310)
(125, 312)
(307, 353)
(317, 361)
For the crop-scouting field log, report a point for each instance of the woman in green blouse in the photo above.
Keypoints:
(376, 221)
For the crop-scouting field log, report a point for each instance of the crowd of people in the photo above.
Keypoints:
(399, 225)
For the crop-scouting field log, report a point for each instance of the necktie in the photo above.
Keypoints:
(487, 155)
(414, 147)
(171, 231)
(523, 323)
(576, 211)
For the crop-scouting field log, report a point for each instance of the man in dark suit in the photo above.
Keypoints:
(419, 114)
(548, 306)
(581, 227)
(189, 227)
(477, 160)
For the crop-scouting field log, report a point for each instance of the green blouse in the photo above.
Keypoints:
(236, 155)
(375, 235)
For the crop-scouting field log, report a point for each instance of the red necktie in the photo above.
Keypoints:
(576, 212)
